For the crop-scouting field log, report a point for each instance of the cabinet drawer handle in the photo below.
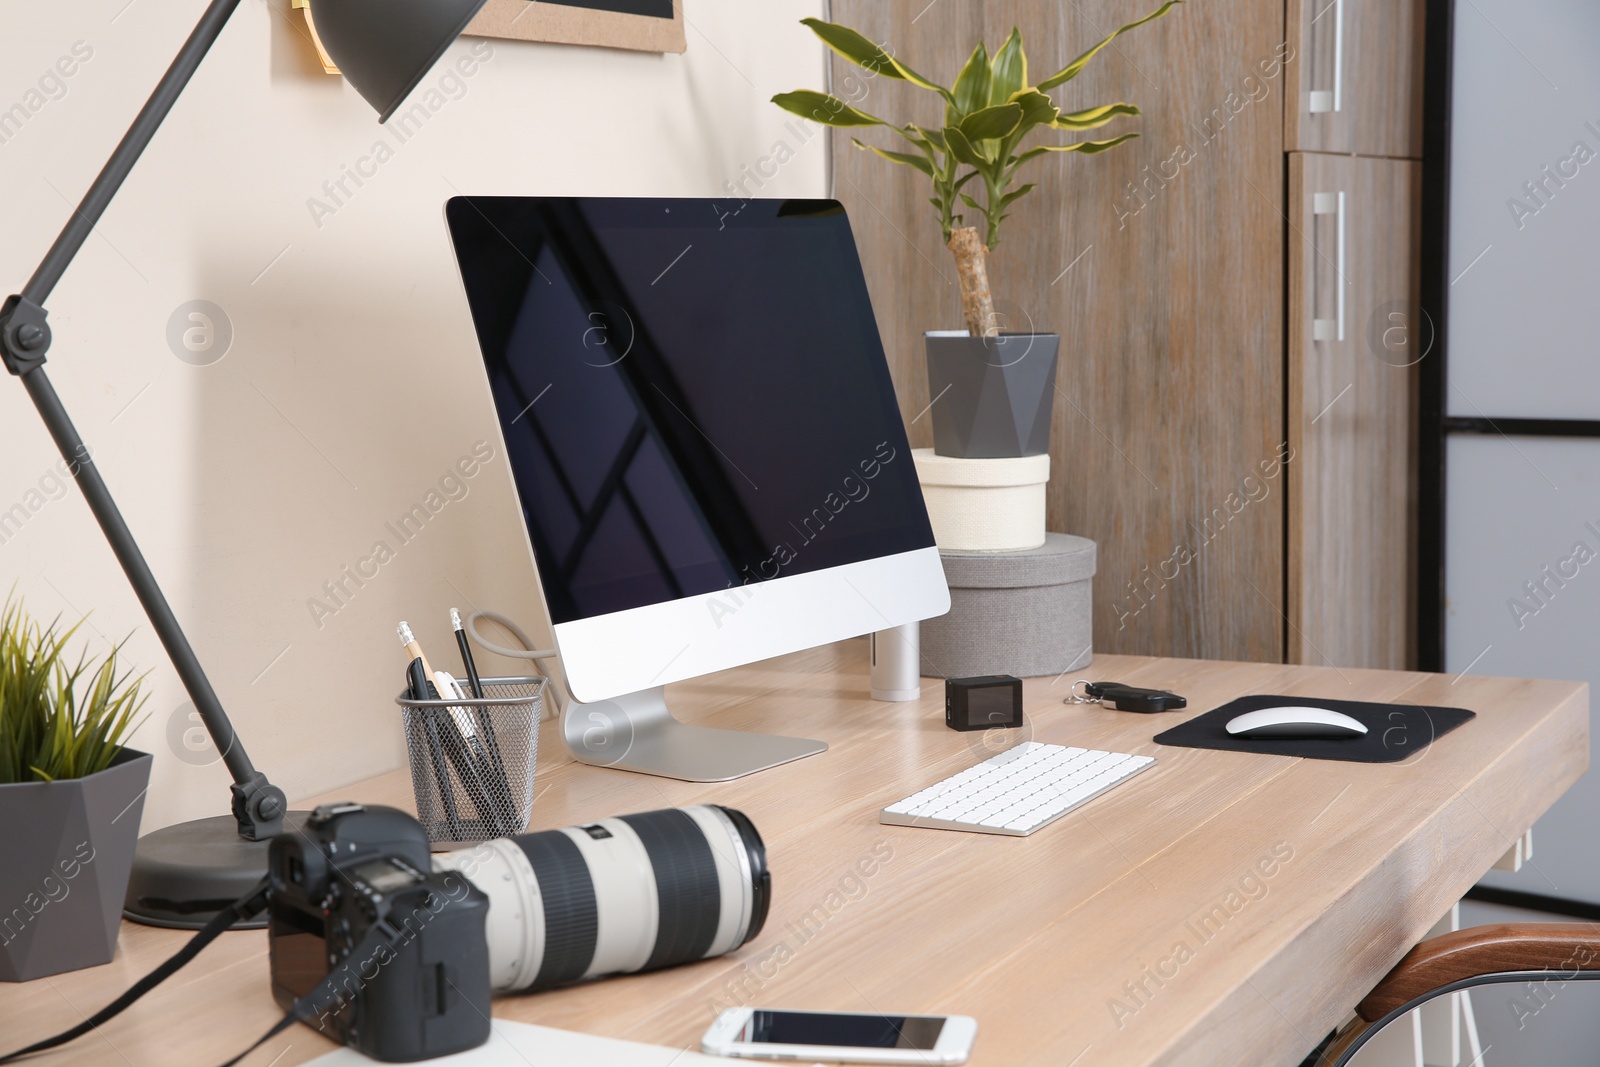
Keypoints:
(1329, 329)
(1323, 100)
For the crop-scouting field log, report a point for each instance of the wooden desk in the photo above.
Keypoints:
(1139, 929)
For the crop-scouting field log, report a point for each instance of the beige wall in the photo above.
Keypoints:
(352, 385)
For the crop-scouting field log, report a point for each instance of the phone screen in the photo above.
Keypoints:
(852, 1031)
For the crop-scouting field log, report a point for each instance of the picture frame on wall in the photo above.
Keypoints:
(637, 25)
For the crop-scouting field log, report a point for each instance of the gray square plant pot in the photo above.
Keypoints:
(68, 849)
(993, 397)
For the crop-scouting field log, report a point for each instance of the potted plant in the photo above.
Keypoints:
(70, 799)
(993, 389)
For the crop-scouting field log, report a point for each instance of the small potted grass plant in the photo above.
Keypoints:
(992, 388)
(71, 794)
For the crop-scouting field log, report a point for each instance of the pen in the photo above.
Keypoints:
(496, 771)
(462, 718)
(464, 751)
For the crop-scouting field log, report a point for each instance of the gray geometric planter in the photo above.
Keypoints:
(67, 848)
(993, 396)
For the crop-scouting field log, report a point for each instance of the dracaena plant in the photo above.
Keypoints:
(988, 114)
(59, 717)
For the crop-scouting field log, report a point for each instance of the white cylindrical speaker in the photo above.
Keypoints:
(896, 663)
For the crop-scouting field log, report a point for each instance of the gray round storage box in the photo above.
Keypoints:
(1024, 613)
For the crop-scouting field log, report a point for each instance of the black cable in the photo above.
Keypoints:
(303, 1010)
(243, 908)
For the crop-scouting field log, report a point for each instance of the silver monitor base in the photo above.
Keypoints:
(637, 732)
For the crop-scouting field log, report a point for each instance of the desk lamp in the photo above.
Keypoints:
(185, 873)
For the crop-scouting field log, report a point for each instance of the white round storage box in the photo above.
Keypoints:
(984, 505)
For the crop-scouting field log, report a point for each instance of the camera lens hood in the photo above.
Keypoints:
(760, 876)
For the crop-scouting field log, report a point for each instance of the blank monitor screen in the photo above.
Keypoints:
(693, 393)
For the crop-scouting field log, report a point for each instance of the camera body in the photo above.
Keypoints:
(362, 878)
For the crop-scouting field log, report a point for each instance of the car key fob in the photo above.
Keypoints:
(1119, 697)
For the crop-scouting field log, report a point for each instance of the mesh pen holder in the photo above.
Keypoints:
(472, 760)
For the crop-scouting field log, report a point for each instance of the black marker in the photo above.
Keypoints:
(423, 689)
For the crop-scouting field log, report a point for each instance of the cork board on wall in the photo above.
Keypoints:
(639, 25)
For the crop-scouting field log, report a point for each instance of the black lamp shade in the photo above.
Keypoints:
(384, 47)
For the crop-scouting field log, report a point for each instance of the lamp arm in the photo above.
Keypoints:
(257, 804)
(112, 175)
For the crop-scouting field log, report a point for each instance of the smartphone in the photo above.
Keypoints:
(840, 1037)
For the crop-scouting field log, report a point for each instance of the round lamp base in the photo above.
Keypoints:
(184, 874)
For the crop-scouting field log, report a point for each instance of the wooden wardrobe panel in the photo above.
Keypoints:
(1380, 77)
(1351, 419)
(1159, 263)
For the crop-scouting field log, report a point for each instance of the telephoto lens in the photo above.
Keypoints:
(630, 893)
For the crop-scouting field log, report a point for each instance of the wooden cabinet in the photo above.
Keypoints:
(1354, 340)
(1355, 330)
(1160, 264)
(1355, 82)
(1182, 382)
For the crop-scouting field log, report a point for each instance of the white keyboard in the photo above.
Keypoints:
(1016, 792)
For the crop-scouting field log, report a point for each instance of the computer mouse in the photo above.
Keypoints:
(1290, 721)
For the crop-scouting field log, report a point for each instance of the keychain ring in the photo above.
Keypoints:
(1079, 698)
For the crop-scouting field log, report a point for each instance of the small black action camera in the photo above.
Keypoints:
(423, 990)
(987, 702)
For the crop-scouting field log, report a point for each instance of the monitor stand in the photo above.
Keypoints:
(637, 732)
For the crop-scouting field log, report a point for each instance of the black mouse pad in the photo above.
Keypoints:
(1394, 731)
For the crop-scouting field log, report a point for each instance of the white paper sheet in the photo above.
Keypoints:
(516, 1044)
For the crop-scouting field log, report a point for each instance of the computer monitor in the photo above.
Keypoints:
(705, 442)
